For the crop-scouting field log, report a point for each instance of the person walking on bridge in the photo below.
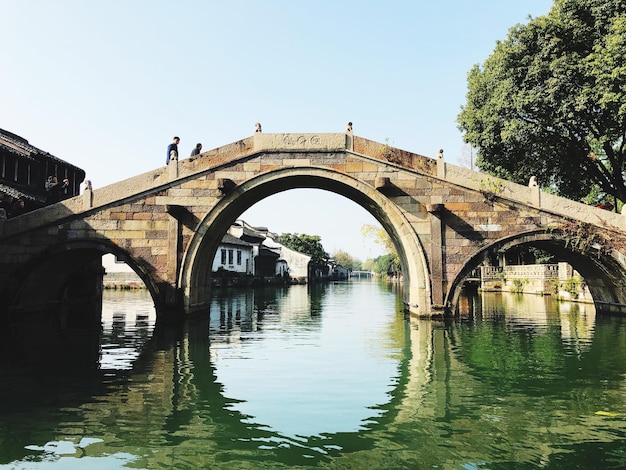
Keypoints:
(173, 147)
(197, 149)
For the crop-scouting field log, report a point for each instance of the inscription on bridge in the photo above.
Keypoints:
(323, 142)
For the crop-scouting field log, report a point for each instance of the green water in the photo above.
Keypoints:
(328, 377)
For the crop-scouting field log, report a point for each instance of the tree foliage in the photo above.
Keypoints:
(346, 260)
(308, 244)
(386, 264)
(380, 236)
(550, 101)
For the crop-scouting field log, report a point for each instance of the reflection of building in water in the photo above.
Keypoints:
(232, 313)
(527, 308)
(577, 325)
(128, 317)
(242, 312)
(576, 319)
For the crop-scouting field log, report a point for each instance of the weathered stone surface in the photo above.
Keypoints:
(443, 215)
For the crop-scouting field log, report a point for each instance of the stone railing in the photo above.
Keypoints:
(530, 271)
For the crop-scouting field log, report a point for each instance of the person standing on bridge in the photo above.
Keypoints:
(55, 190)
(196, 150)
(173, 147)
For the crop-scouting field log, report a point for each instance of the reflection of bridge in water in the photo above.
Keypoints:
(172, 394)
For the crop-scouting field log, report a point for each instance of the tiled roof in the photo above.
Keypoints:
(228, 239)
(20, 146)
(22, 194)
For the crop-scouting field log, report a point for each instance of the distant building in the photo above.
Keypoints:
(263, 257)
(118, 275)
(290, 263)
(338, 272)
(234, 255)
(24, 170)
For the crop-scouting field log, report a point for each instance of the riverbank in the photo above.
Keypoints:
(559, 280)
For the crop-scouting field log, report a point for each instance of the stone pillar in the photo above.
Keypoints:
(441, 165)
(88, 195)
(173, 247)
(349, 137)
(535, 194)
(436, 211)
(172, 166)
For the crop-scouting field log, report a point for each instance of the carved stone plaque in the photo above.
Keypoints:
(304, 142)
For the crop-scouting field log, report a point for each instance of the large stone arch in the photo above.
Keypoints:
(195, 271)
(604, 273)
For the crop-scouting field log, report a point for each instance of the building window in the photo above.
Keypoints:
(230, 256)
(223, 254)
(238, 257)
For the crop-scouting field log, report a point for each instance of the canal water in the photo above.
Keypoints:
(331, 377)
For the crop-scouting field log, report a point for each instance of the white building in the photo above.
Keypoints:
(292, 262)
(253, 250)
(117, 274)
(235, 255)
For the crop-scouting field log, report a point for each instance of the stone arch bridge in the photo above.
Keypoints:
(444, 220)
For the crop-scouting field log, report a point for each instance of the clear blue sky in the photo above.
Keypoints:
(105, 85)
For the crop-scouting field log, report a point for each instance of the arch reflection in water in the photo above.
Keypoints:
(304, 373)
(521, 382)
(127, 323)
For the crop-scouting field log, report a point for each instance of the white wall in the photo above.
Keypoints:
(298, 262)
(111, 265)
(245, 267)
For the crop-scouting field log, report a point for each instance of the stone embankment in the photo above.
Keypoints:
(122, 281)
(542, 279)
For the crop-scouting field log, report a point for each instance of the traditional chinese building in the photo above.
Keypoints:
(25, 169)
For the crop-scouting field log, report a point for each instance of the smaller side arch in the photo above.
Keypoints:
(604, 274)
(43, 278)
(197, 261)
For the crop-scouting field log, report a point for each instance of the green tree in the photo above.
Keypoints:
(307, 244)
(346, 260)
(381, 237)
(550, 101)
(367, 265)
(386, 264)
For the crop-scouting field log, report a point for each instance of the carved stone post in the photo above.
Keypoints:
(441, 165)
(349, 137)
(172, 166)
(88, 195)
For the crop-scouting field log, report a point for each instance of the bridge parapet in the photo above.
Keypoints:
(531, 271)
(492, 187)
